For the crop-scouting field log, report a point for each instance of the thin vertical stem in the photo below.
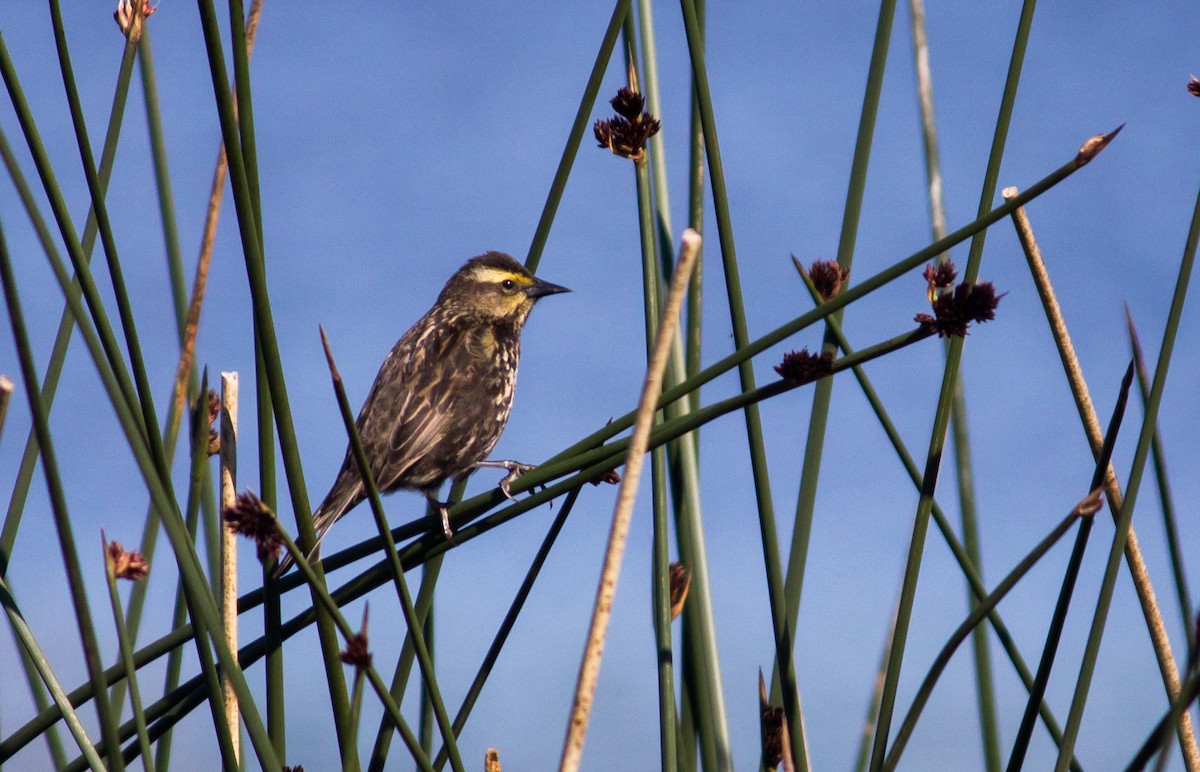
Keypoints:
(761, 480)
(965, 478)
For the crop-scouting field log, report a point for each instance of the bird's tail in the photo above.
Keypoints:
(340, 499)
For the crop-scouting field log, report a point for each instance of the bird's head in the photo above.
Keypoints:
(494, 288)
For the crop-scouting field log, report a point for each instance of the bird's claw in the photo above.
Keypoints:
(515, 470)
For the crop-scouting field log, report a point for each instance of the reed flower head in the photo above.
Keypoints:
(251, 518)
(800, 367)
(122, 563)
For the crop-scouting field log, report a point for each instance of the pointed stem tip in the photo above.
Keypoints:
(1090, 149)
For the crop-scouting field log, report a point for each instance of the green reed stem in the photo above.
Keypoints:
(383, 737)
(1167, 501)
(950, 381)
(823, 393)
(126, 647)
(583, 119)
(965, 478)
(107, 241)
(758, 459)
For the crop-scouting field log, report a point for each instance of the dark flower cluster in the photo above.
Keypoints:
(954, 311)
(939, 276)
(828, 277)
(627, 132)
(122, 563)
(1193, 86)
(800, 367)
(357, 653)
(251, 518)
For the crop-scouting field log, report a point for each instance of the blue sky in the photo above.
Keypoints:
(396, 141)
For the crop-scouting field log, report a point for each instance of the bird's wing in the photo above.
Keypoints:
(415, 414)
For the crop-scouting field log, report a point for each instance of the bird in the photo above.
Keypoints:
(443, 395)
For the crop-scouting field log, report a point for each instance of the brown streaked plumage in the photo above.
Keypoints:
(443, 394)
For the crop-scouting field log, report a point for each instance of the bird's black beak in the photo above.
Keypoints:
(540, 288)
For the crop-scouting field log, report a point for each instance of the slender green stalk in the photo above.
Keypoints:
(1096, 634)
(583, 118)
(415, 624)
(977, 615)
(126, 647)
(356, 695)
(41, 701)
(383, 737)
(964, 474)
(38, 660)
(1016, 759)
(62, 518)
(781, 626)
(427, 718)
(695, 304)
(199, 465)
(1163, 481)
(823, 392)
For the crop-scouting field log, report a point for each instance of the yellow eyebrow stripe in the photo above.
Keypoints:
(497, 275)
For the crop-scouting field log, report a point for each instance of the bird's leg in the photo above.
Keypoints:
(443, 508)
(515, 470)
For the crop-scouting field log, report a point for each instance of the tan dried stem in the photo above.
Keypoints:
(208, 236)
(229, 583)
(589, 667)
(1112, 488)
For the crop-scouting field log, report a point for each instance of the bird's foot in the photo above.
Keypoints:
(443, 508)
(515, 470)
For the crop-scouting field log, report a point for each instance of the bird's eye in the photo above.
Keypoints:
(508, 284)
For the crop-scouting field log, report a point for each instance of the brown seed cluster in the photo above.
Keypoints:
(800, 367)
(214, 411)
(251, 518)
(627, 132)
(828, 277)
(124, 564)
(1193, 86)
